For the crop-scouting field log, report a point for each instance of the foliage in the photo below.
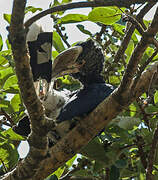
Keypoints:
(115, 152)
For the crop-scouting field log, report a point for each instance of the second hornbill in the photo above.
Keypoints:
(83, 62)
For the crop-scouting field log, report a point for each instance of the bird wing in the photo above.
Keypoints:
(85, 101)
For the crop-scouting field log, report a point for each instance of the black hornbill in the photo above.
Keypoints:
(83, 62)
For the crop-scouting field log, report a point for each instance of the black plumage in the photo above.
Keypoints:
(94, 89)
(40, 56)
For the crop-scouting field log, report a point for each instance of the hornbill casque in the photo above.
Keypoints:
(83, 62)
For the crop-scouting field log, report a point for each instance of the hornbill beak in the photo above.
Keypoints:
(66, 62)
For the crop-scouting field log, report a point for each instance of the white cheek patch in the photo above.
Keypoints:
(45, 56)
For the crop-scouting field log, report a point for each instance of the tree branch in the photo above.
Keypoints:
(95, 3)
(127, 37)
(137, 55)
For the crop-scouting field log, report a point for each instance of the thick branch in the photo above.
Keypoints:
(38, 146)
(95, 3)
(91, 125)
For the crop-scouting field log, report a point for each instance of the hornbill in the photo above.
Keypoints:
(83, 62)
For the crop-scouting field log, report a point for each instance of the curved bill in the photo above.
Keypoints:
(66, 62)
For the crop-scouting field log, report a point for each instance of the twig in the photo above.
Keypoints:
(4, 166)
(7, 117)
(59, 32)
(102, 31)
(134, 22)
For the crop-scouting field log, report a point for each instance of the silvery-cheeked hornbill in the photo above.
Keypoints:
(83, 62)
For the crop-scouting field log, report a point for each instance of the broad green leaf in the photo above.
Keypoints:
(5, 74)
(32, 9)
(127, 122)
(72, 18)
(7, 17)
(57, 42)
(1, 43)
(11, 135)
(96, 151)
(8, 155)
(16, 102)
(105, 15)
(11, 82)
(82, 29)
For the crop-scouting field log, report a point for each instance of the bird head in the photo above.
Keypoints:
(66, 62)
(83, 61)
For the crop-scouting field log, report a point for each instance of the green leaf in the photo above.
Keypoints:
(70, 162)
(8, 44)
(127, 122)
(11, 135)
(1, 43)
(95, 150)
(151, 109)
(72, 18)
(156, 97)
(66, 1)
(57, 42)
(16, 102)
(11, 82)
(7, 17)
(8, 154)
(129, 50)
(5, 74)
(4, 103)
(82, 29)
(119, 28)
(32, 9)
(105, 15)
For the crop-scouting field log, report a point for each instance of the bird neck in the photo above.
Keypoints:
(88, 80)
